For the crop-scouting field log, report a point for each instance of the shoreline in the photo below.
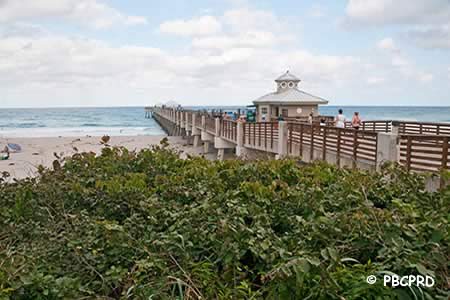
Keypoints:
(40, 150)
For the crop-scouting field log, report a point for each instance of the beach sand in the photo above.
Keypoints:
(40, 151)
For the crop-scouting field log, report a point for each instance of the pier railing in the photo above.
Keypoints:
(425, 152)
(426, 128)
(405, 127)
(210, 124)
(375, 125)
(261, 135)
(198, 120)
(228, 130)
(318, 142)
(189, 118)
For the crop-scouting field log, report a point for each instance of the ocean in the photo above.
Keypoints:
(124, 121)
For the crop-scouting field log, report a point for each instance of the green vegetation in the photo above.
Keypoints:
(149, 225)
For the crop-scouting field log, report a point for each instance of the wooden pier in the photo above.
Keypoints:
(419, 146)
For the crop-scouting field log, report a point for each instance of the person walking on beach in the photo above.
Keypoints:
(356, 121)
(339, 120)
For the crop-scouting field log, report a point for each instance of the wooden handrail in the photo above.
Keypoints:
(429, 153)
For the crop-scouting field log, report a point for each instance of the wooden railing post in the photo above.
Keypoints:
(240, 138)
(311, 152)
(290, 129)
(301, 140)
(282, 139)
(338, 150)
(271, 135)
(265, 135)
(259, 134)
(204, 122)
(355, 148)
(445, 153)
(254, 134)
(444, 165)
(186, 121)
(217, 127)
(324, 144)
(408, 153)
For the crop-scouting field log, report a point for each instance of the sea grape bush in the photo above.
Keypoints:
(149, 225)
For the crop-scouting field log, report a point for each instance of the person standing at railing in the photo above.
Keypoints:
(356, 121)
(339, 120)
(280, 118)
(323, 122)
(310, 118)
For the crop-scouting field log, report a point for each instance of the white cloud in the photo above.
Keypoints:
(400, 64)
(245, 19)
(426, 24)
(375, 80)
(253, 39)
(236, 28)
(317, 11)
(232, 64)
(382, 12)
(425, 77)
(430, 37)
(93, 13)
(205, 25)
(40, 63)
(387, 44)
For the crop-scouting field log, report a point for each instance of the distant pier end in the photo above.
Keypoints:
(148, 111)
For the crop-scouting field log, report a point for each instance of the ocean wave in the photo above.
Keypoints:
(22, 125)
(92, 125)
(78, 131)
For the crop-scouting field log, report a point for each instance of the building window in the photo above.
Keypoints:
(285, 112)
(264, 110)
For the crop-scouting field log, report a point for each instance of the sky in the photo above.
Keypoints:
(222, 52)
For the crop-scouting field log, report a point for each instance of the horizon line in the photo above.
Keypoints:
(242, 105)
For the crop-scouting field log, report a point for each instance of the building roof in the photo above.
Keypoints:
(291, 96)
(287, 93)
(287, 77)
(171, 103)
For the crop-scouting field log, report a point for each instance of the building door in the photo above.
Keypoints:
(285, 112)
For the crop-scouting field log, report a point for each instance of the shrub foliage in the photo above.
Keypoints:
(149, 225)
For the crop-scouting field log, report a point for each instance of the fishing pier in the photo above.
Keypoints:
(419, 146)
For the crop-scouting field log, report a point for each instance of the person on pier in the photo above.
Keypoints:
(310, 118)
(339, 120)
(356, 121)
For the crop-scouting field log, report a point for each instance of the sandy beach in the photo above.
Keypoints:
(40, 151)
